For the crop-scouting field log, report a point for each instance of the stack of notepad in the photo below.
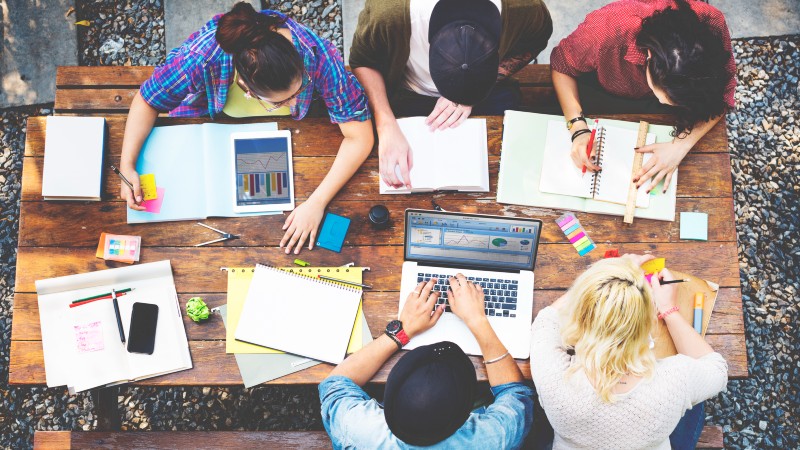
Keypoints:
(81, 343)
(73, 158)
(258, 364)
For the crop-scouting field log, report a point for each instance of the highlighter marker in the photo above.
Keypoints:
(699, 298)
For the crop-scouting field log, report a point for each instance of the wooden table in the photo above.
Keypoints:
(59, 239)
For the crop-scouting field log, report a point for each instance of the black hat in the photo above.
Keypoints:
(429, 393)
(464, 37)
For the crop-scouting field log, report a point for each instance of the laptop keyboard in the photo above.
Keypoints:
(500, 296)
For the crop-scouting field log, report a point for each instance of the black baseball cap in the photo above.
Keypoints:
(429, 393)
(464, 37)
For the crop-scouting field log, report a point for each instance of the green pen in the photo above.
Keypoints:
(108, 294)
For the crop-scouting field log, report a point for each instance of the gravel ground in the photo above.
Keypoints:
(760, 412)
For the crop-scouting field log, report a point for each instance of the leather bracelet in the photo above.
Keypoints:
(580, 132)
(668, 312)
(492, 361)
(395, 339)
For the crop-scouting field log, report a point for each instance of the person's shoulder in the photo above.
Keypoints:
(386, 12)
(203, 43)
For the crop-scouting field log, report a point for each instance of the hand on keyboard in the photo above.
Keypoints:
(418, 314)
(466, 300)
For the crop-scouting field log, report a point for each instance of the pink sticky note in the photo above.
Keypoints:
(154, 206)
(89, 337)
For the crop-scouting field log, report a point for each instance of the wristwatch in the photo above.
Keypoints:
(571, 122)
(394, 330)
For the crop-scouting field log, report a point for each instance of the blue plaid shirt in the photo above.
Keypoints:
(194, 80)
(354, 420)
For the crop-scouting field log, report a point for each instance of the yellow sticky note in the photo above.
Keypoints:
(148, 183)
(654, 265)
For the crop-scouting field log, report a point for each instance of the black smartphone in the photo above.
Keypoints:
(142, 332)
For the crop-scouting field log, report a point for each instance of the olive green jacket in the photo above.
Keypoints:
(382, 37)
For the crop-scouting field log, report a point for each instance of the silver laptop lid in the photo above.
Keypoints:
(474, 241)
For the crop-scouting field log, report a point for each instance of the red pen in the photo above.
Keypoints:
(589, 146)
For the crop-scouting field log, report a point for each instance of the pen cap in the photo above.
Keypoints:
(699, 298)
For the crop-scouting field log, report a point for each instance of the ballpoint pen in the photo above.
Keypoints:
(352, 283)
(116, 313)
(125, 180)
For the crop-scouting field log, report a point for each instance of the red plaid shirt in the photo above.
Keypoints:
(608, 35)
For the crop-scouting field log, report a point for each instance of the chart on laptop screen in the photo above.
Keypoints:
(471, 240)
(262, 171)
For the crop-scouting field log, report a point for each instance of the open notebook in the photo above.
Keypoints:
(297, 314)
(81, 345)
(454, 159)
(615, 153)
(524, 157)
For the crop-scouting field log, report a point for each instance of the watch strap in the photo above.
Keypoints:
(394, 338)
(572, 121)
(402, 337)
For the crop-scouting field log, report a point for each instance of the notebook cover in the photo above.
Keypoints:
(73, 158)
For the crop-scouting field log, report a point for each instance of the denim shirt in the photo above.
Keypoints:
(354, 420)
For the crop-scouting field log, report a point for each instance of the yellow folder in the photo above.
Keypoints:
(239, 282)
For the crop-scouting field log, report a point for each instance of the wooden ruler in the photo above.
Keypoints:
(630, 206)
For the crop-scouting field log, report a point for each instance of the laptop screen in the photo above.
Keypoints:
(471, 240)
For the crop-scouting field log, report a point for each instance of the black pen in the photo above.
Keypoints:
(125, 180)
(119, 319)
(352, 283)
(673, 281)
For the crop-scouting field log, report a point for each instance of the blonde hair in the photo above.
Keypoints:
(607, 320)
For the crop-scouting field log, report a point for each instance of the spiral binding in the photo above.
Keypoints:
(600, 139)
(298, 274)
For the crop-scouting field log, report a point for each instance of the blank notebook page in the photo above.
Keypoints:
(299, 315)
(617, 162)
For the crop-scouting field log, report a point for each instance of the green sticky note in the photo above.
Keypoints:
(694, 226)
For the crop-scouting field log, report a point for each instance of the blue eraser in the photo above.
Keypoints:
(334, 230)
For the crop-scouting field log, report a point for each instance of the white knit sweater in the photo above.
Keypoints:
(642, 418)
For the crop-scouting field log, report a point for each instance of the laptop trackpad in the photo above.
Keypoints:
(448, 328)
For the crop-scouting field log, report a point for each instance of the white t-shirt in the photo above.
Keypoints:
(417, 76)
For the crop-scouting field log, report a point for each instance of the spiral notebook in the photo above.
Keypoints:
(615, 152)
(299, 315)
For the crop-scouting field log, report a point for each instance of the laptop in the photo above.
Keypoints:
(498, 253)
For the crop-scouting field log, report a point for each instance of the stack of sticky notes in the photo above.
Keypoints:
(577, 236)
(153, 196)
(118, 247)
(694, 226)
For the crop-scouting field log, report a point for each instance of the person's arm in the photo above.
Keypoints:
(687, 341)
(466, 301)
(393, 148)
(513, 64)
(416, 318)
(141, 118)
(668, 155)
(567, 92)
(303, 223)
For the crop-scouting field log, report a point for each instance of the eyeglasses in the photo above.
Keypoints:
(272, 106)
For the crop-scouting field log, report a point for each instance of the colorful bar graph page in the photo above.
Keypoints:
(262, 171)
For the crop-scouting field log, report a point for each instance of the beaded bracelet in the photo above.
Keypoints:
(580, 132)
(668, 312)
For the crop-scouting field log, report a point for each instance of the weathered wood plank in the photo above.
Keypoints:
(213, 367)
(48, 224)
(91, 99)
(701, 175)
(380, 307)
(107, 76)
(711, 437)
(197, 269)
(319, 137)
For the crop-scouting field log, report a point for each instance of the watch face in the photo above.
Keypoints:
(394, 326)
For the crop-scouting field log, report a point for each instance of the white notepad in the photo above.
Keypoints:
(73, 158)
(615, 152)
(454, 159)
(299, 315)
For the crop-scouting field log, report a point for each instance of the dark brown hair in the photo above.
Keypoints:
(688, 62)
(266, 61)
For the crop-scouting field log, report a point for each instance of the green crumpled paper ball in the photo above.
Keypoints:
(197, 309)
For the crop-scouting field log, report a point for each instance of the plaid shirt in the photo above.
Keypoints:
(606, 43)
(194, 79)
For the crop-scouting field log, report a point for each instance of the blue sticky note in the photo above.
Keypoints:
(334, 230)
(694, 226)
